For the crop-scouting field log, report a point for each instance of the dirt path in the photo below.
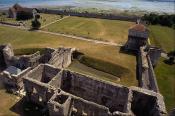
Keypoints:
(69, 36)
(102, 28)
(54, 22)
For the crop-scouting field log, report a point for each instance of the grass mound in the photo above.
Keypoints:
(27, 51)
(104, 66)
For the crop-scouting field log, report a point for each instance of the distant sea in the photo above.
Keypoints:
(161, 6)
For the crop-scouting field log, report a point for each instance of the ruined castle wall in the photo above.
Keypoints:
(47, 55)
(61, 58)
(56, 81)
(59, 105)
(73, 105)
(19, 77)
(134, 33)
(147, 103)
(90, 15)
(114, 97)
(154, 54)
(145, 71)
(26, 61)
(37, 92)
(14, 81)
(37, 73)
(89, 108)
(8, 54)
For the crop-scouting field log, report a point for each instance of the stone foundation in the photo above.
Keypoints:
(68, 93)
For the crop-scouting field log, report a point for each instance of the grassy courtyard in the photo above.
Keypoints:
(100, 29)
(27, 39)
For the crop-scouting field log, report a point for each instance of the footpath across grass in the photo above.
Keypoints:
(22, 39)
(92, 28)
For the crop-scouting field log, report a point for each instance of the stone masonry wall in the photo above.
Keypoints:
(114, 97)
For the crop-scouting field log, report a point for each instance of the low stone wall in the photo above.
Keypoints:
(90, 15)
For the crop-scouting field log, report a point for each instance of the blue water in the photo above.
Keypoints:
(166, 6)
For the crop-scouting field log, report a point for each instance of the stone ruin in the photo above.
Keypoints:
(137, 37)
(12, 78)
(67, 93)
(60, 58)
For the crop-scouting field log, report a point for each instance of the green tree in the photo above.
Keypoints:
(35, 23)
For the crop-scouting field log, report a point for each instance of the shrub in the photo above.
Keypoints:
(36, 24)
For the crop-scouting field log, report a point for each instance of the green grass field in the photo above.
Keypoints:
(27, 39)
(163, 37)
(100, 29)
(79, 67)
(166, 81)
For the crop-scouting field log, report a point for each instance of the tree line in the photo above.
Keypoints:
(164, 20)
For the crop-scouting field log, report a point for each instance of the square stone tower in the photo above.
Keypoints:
(137, 36)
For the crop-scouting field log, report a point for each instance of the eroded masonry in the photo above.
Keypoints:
(45, 81)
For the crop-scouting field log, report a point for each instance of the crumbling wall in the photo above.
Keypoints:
(12, 81)
(8, 54)
(154, 54)
(147, 103)
(28, 60)
(145, 71)
(89, 15)
(65, 104)
(37, 92)
(59, 105)
(36, 83)
(116, 98)
(62, 57)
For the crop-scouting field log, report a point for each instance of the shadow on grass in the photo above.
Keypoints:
(27, 51)
(124, 51)
(24, 108)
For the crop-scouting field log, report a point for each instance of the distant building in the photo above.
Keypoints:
(137, 37)
(19, 12)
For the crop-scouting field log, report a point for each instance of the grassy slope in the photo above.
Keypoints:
(7, 101)
(101, 29)
(26, 39)
(166, 80)
(163, 37)
(79, 67)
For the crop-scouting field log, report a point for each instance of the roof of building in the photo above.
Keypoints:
(139, 27)
(18, 8)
